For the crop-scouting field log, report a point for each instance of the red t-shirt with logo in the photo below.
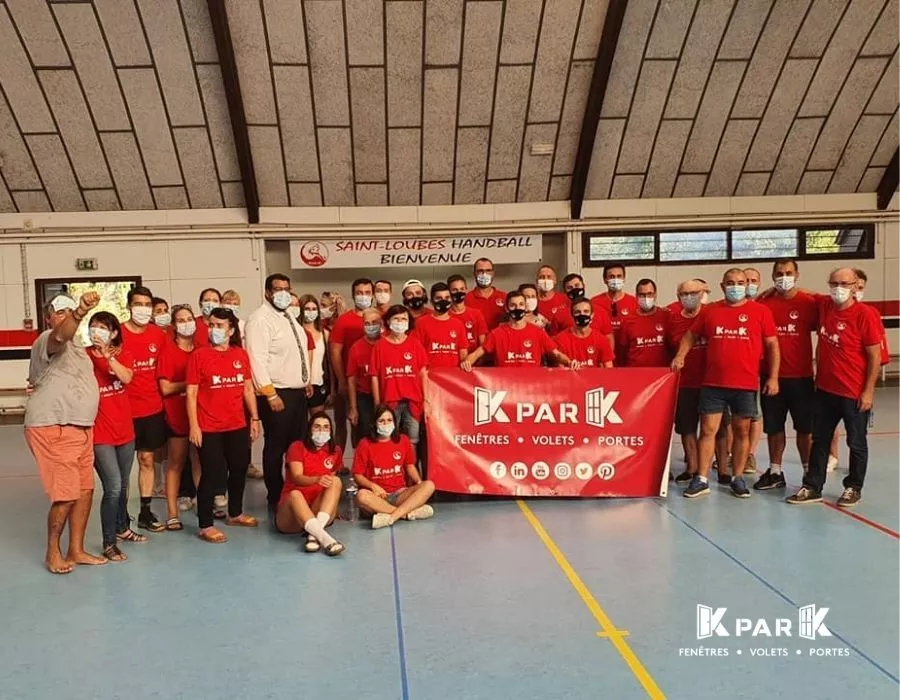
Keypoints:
(795, 320)
(144, 348)
(319, 462)
(617, 311)
(397, 367)
(695, 362)
(384, 462)
(492, 308)
(358, 365)
(347, 330)
(524, 347)
(556, 310)
(219, 376)
(201, 335)
(564, 320)
(113, 424)
(646, 339)
(841, 356)
(735, 345)
(592, 350)
(442, 339)
(473, 321)
(173, 364)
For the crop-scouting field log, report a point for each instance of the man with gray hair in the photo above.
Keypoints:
(59, 420)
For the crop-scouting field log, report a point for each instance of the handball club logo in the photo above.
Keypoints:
(314, 254)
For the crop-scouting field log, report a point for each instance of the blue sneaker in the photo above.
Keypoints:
(696, 488)
(739, 488)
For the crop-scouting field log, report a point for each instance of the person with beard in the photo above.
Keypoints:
(485, 297)
(583, 342)
(573, 287)
(472, 319)
(413, 294)
(441, 333)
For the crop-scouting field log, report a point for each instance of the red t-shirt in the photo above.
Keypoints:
(173, 364)
(617, 311)
(358, 365)
(348, 328)
(795, 320)
(695, 362)
(734, 337)
(398, 367)
(201, 335)
(556, 310)
(885, 350)
(592, 350)
(320, 462)
(442, 340)
(841, 356)
(144, 348)
(524, 347)
(646, 339)
(384, 462)
(473, 321)
(674, 308)
(113, 424)
(492, 308)
(219, 377)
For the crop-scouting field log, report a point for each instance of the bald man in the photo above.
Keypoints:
(848, 359)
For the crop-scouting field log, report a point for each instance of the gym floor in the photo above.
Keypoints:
(500, 599)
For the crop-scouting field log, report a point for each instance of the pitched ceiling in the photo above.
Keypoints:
(119, 104)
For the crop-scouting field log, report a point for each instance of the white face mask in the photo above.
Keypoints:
(321, 437)
(141, 315)
(531, 304)
(207, 307)
(293, 311)
(281, 300)
(545, 285)
(362, 302)
(233, 308)
(616, 284)
(162, 320)
(840, 295)
(186, 329)
(646, 303)
(859, 295)
(784, 283)
(382, 298)
(99, 335)
(310, 315)
(385, 429)
(399, 327)
(325, 312)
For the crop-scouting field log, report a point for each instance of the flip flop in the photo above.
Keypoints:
(174, 524)
(214, 537)
(243, 520)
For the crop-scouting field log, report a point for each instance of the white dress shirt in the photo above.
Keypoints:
(275, 358)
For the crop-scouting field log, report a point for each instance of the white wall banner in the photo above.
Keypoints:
(409, 251)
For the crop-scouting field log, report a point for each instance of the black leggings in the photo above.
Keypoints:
(224, 457)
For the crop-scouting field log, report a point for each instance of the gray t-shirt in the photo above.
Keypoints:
(65, 390)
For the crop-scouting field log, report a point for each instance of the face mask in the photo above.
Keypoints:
(207, 307)
(859, 295)
(752, 291)
(372, 330)
(458, 297)
(484, 279)
(383, 298)
(575, 293)
(186, 329)
(293, 311)
(281, 300)
(218, 336)
(399, 327)
(545, 285)
(320, 438)
(841, 295)
(362, 302)
(704, 298)
(531, 304)
(689, 302)
(646, 303)
(616, 284)
(233, 308)
(415, 302)
(162, 320)
(442, 306)
(385, 429)
(784, 283)
(582, 320)
(736, 293)
(517, 314)
(310, 315)
(141, 315)
(325, 312)
(99, 335)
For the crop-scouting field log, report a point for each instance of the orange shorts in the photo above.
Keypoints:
(65, 459)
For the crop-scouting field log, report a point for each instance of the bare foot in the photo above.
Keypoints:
(58, 565)
(86, 559)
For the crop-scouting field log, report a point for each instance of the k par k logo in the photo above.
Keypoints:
(599, 409)
(811, 624)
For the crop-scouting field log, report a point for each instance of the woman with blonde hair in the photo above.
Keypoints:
(320, 376)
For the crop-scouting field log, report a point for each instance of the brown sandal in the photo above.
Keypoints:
(243, 520)
(212, 536)
(113, 553)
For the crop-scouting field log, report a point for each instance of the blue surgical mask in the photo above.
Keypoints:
(484, 279)
(385, 430)
(218, 336)
(373, 330)
(321, 437)
(616, 284)
(186, 329)
(281, 300)
(736, 292)
(207, 307)
(163, 320)
(689, 302)
(362, 302)
(752, 291)
(99, 335)
(233, 308)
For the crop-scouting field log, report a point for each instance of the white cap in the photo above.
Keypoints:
(61, 302)
(412, 283)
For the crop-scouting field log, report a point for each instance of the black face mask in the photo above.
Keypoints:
(458, 297)
(575, 293)
(582, 320)
(442, 305)
(415, 302)
(517, 314)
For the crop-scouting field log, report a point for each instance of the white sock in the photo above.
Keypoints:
(314, 528)
(323, 518)
(775, 468)
(703, 479)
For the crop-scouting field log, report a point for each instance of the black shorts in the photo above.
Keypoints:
(687, 414)
(149, 432)
(319, 396)
(795, 396)
(715, 399)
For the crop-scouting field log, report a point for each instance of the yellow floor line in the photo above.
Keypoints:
(610, 631)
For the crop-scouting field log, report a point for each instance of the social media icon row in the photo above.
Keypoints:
(562, 471)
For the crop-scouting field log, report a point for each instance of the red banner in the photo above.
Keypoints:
(551, 432)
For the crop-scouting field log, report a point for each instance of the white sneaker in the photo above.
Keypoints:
(185, 503)
(832, 463)
(220, 502)
(380, 520)
(421, 513)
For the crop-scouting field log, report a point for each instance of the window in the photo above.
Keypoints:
(851, 242)
(764, 243)
(113, 297)
(679, 246)
(621, 248)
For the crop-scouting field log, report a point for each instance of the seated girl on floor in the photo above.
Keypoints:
(312, 488)
(384, 466)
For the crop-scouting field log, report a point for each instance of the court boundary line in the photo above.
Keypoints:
(863, 519)
(401, 643)
(609, 630)
(772, 588)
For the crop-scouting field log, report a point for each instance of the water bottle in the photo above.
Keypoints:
(351, 509)
(871, 418)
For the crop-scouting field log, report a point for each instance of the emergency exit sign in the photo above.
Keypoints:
(86, 264)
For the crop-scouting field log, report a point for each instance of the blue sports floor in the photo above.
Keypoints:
(493, 600)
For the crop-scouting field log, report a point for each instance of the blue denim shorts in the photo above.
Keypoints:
(741, 402)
